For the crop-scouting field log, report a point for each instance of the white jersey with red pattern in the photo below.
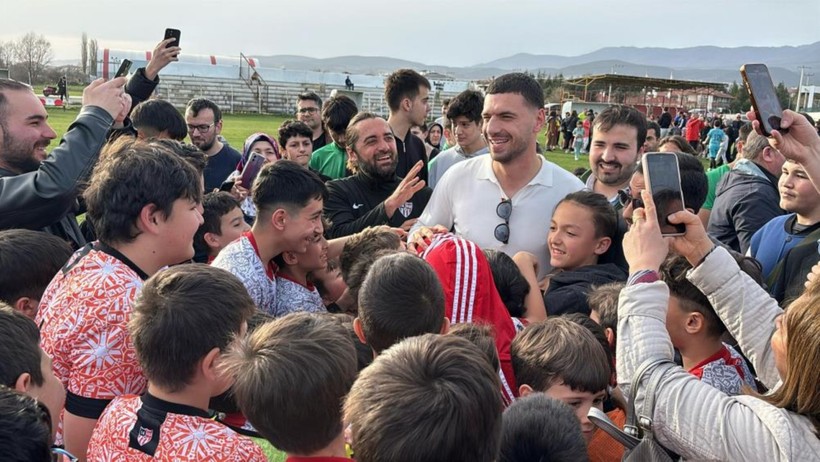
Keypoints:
(146, 428)
(82, 317)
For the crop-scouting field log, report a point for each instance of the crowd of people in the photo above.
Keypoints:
(389, 290)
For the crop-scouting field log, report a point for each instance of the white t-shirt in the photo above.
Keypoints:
(466, 198)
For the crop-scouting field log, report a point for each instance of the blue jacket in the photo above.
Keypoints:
(772, 242)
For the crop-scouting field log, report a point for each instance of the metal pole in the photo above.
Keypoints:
(797, 100)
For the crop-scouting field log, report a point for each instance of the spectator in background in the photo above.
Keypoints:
(38, 190)
(716, 174)
(331, 160)
(295, 144)
(349, 84)
(407, 95)
(675, 143)
(309, 111)
(204, 120)
(435, 134)
(665, 123)
(553, 130)
(464, 113)
(693, 128)
(568, 125)
(714, 138)
(653, 136)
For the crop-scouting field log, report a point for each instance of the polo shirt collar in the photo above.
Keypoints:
(544, 177)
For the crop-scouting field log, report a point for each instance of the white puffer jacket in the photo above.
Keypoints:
(691, 418)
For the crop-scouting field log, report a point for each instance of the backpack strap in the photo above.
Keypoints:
(648, 410)
(631, 426)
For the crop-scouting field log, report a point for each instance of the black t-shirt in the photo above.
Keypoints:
(320, 142)
(220, 165)
(411, 150)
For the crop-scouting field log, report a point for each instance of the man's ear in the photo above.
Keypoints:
(540, 120)
(149, 219)
(27, 306)
(23, 383)
(524, 390)
(357, 327)
(695, 323)
(406, 104)
(610, 337)
(445, 326)
(602, 245)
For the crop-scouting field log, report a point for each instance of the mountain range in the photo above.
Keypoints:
(705, 63)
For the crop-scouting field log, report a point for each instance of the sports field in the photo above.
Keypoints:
(237, 127)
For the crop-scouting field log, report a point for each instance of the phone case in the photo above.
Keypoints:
(251, 170)
(646, 161)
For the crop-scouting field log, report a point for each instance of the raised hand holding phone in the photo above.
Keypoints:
(761, 90)
(663, 181)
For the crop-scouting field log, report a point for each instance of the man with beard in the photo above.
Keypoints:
(408, 96)
(309, 112)
(39, 190)
(503, 201)
(617, 144)
(204, 120)
(374, 195)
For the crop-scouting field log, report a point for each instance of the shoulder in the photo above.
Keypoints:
(231, 152)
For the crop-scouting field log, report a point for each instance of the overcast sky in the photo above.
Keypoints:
(445, 32)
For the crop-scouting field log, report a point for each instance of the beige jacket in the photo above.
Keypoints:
(691, 418)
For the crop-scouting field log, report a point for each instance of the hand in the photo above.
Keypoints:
(801, 144)
(810, 278)
(160, 58)
(237, 191)
(105, 95)
(409, 186)
(695, 243)
(644, 246)
(125, 109)
(526, 260)
(419, 239)
(408, 224)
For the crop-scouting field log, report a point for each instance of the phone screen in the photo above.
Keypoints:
(764, 99)
(663, 180)
(125, 66)
(251, 170)
(174, 34)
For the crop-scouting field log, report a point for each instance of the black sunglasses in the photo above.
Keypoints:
(503, 210)
(625, 198)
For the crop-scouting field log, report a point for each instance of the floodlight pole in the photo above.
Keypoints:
(799, 86)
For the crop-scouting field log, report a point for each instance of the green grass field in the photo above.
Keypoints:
(237, 127)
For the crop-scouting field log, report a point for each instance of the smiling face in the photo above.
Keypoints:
(468, 133)
(24, 132)
(375, 151)
(613, 154)
(302, 226)
(572, 240)
(178, 229)
(510, 126)
(265, 149)
(307, 111)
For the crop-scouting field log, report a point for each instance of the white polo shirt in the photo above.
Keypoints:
(466, 198)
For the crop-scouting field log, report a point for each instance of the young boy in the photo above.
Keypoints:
(400, 297)
(359, 253)
(183, 320)
(464, 113)
(541, 428)
(331, 286)
(578, 139)
(24, 366)
(564, 361)
(145, 204)
(25, 428)
(291, 377)
(28, 262)
(696, 331)
(441, 384)
(288, 200)
(294, 292)
(222, 223)
(603, 305)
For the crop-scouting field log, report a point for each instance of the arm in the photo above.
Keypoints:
(534, 301)
(744, 307)
(145, 80)
(439, 210)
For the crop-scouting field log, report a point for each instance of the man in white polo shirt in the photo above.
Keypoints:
(503, 201)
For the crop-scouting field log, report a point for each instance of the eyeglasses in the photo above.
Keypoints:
(64, 453)
(625, 198)
(308, 110)
(503, 210)
(200, 128)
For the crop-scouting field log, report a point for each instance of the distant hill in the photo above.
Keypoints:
(715, 64)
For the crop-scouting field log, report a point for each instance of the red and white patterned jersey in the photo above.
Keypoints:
(82, 317)
(146, 428)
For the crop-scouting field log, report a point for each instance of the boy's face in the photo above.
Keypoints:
(302, 227)
(231, 227)
(316, 256)
(178, 229)
(298, 149)
(676, 320)
(571, 239)
(51, 393)
(468, 133)
(333, 283)
(580, 402)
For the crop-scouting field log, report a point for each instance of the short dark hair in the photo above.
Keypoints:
(28, 261)
(215, 205)
(310, 96)
(337, 113)
(361, 247)
(181, 314)
(25, 428)
(187, 152)
(603, 300)
(480, 335)
(130, 175)
(443, 385)
(401, 297)
(291, 377)
(19, 347)
(352, 131)
(468, 103)
(9, 85)
(622, 115)
(652, 125)
(557, 351)
(510, 283)
(539, 428)
(284, 184)
(520, 83)
(596, 330)
(604, 215)
(198, 104)
(679, 141)
(155, 116)
(292, 128)
(673, 273)
(693, 182)
(403, 83)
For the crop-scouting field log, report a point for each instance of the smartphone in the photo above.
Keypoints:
(767, 107)
(174, 34)
(125, 66)
(252, 168)
(663, 181)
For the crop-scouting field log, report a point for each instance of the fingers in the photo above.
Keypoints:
(413, 173)
(95, 83)
(650, 214)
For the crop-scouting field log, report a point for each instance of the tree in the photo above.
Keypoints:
(741, 102)
(92, 56)
(5, 54)
(782, 95)
(84, 52)
(33, 52)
